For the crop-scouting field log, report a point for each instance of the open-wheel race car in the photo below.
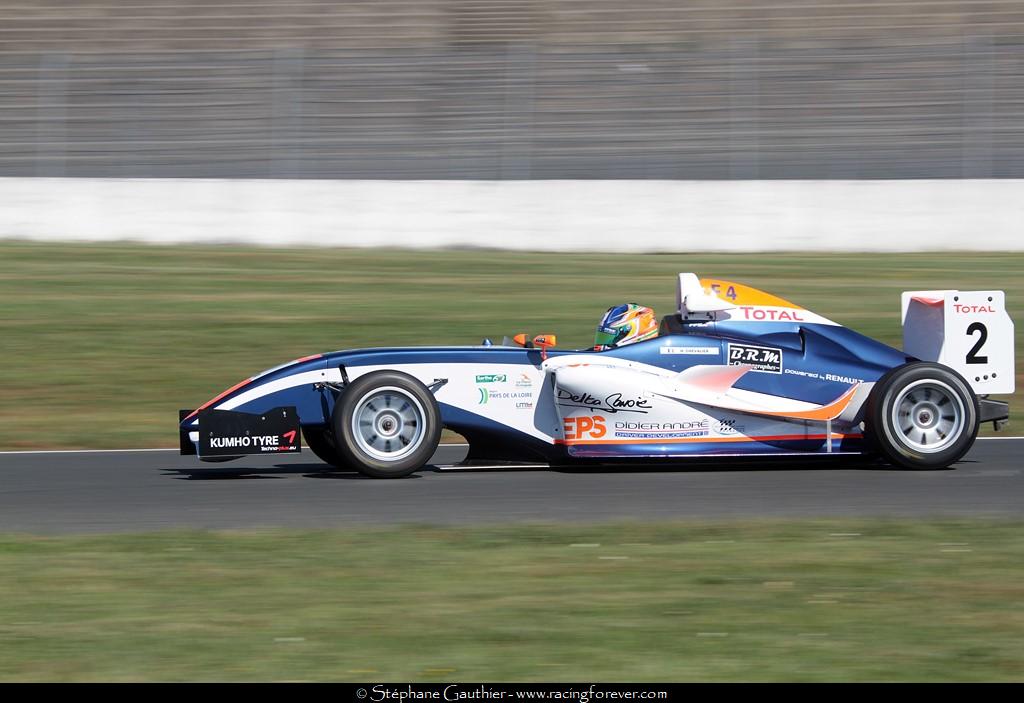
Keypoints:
(734, 371)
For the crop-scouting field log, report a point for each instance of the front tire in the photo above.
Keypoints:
(386, 424)
(922, 416)
(321, 442)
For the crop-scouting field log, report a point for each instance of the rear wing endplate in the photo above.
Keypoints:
(969, 331)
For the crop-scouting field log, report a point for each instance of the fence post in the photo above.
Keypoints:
(517, 130)
(744, 86)
(51, 115)
(978, 87)
(286, 115)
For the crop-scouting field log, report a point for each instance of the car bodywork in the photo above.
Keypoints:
(735, 371)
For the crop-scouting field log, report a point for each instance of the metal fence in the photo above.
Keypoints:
(746, 105)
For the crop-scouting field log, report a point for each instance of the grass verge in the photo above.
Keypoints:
(832, 600)
(101, 344)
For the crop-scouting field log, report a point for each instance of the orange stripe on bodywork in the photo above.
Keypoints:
(235, 387)
(822, 414)
(698, 440)
(744, 295)
(716, 379)
(210, 402)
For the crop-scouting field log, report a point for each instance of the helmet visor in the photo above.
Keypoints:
(607, 337)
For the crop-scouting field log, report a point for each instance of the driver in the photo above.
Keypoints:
(625, 324)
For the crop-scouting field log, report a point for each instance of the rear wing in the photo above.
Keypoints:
(969, 331)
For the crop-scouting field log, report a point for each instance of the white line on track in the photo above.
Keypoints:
(162, 449)
(129, 451)
(87, 451)
(474, 467)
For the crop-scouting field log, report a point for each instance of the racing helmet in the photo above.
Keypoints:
(625, 324)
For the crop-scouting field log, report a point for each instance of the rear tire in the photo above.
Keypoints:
(386, 424)
(922, 416)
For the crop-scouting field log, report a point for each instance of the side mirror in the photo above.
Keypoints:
(544, 342)
(520, 339)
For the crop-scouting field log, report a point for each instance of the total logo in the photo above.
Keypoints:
(771, 314)
(584, 427)
(971, 309)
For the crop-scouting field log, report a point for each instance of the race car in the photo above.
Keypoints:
(733, 371)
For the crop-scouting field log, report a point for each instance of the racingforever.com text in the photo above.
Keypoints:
(456, 692)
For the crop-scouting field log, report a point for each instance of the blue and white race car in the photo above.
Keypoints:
(733, 372)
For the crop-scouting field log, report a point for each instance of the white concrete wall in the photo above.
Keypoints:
(536, 215)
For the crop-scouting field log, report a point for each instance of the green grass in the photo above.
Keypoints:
(848, 600)
(101, 344)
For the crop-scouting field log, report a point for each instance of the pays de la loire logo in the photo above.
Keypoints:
(487, 395)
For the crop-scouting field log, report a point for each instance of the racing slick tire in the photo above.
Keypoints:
(386, 424)
(922, 415)
(321, 442)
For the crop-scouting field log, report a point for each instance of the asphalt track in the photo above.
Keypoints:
(127, 491)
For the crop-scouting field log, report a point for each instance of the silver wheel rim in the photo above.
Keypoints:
(928, 416)
(388, 424)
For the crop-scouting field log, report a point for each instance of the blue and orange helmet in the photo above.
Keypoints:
(625, 324)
